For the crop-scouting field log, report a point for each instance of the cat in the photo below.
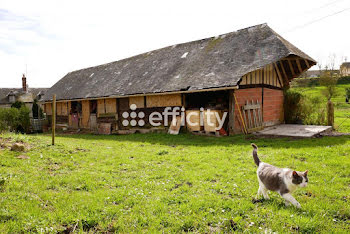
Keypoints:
(282, 180)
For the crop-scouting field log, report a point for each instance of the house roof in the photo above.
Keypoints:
(4, 92)
(213, 62)
(346, 64)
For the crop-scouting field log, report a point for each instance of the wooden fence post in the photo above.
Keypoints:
(53, 118)
(330, 113)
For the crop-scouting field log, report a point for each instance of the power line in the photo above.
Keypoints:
(321, 7)
(317, 20)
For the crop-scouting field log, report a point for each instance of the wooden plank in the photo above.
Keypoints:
(85, 108)
(139, 101)
(48, 108)
(251, 106)
(307, 63)
(246, 124)
(291, 67)
(69, 115)
(299, 66)
(163, 101)
(111, 105)
(213, 120)
(194, 117)
(259, 113)
(249, 117)
(175, 125)
(183, 100)
(243, 80)
(58, 108)
(240, 114)
(270, 75)
(64, 108)
(286, 80)
(254, 116)
(101, 107)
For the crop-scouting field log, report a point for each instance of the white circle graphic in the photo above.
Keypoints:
(133, 115)
(133, 107)
(133, 122)
(125, 115)
(125, 123)
(141, 115)
(141, 122)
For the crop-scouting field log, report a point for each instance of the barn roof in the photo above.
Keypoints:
(214, 62)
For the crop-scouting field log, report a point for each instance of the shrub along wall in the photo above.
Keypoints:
(300, 109)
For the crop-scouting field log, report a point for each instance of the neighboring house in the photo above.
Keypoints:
(311, 74)
(345, 69)
(317, 73)
(252, 64)
(8, 96)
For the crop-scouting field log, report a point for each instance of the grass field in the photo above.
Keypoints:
(163, 183)
(341, 109)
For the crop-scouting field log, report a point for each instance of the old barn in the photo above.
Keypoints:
(242, 73)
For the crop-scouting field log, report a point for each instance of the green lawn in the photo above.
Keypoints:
(341, 109)
(165, 183)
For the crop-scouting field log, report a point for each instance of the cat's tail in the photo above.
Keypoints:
(255, 154)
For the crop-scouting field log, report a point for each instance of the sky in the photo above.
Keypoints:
(47, 39)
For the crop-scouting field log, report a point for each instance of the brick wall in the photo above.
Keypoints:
(273, 106)
(272, 109)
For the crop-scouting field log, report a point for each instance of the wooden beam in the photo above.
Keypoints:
(299, 66)
(279, 76)
(291, 67)
(307, 63)
(151, 94)
(286, 80)
(231, 113)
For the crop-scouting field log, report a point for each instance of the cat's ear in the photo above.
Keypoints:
(295, 174)
(305, 173)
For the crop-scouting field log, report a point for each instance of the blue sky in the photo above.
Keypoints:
(52, 38)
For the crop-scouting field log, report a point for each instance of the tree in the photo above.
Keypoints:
(36, 110)
(329, 78)
(17, 104)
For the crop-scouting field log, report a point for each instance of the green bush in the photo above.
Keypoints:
(292, 107)
(17, 104)
(37, 111)
(14, 119)
(313, 110)
(300, 109)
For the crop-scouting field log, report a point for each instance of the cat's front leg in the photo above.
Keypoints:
(289, 198)
(259, 193)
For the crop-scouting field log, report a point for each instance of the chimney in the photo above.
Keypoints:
(24, 83)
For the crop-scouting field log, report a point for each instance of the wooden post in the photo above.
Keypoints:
(53, 118)
(330, 113)
(231, 112)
